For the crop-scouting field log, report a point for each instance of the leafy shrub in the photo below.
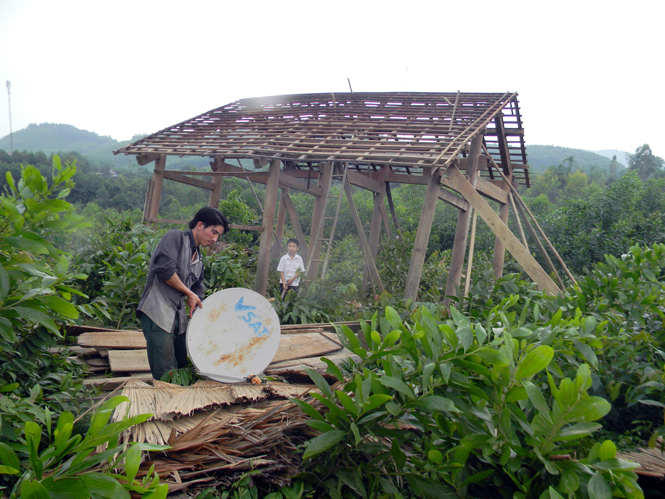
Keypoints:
(35, 289)
(71, 465)
(459, 409)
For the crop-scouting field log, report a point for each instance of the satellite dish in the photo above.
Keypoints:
(234, 335)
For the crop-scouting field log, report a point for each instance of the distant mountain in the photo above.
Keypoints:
(540, 157)
(52, 138)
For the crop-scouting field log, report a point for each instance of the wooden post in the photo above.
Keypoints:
(156, 195)
(316, 231)
(504, 208)
(422, 236)
(293, 215)
(485, 211)
(375, 227)
(148, 200)
(392, 210)
(216, 193)
(469, 261)
(263, 264)
(369, 260)
(462, 230)
(499, 247)
(279, 231)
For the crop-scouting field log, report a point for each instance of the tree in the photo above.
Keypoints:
(644, 162)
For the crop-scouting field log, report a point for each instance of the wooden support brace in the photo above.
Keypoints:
(422, 237)
(375, 228)
(325, 179)
(513, 245)
(499, 248)
(538, 243)
(393, 214)
(462, 229)
(369, 260)
(293, 215)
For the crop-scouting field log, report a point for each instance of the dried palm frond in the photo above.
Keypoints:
(202, 395)
(248, 391)
(164, 393)
(141, 400)
(286, 390)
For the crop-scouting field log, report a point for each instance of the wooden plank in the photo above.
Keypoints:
(129, 361)
(184, 179)
(116, 340)
(299, 346)
(110, 384)
(313, 362)
(513, 245)
(452, 200)
(365, 181)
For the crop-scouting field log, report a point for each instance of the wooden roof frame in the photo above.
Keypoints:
(376, 138)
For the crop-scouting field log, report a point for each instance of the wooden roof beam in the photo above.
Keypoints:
(503, 146)
(144, 159)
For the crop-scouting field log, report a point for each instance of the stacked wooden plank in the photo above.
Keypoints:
(123, 353)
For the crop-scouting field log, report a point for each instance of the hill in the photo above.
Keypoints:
(53, 138)
(540, 157)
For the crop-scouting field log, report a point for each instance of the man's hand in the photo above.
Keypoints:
(193, 301)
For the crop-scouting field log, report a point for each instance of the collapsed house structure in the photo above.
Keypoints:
(467, 148)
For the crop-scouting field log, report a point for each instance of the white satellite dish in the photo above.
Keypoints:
(234, 335)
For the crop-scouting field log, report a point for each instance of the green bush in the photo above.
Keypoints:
(61, 463)
(459, 409)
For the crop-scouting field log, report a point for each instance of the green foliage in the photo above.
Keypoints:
(232, 267)
(115, 253)
(316, 302)
(35, 280)
(61, 463)
(235, 209)
(645, 163)
(482, 408)
(607, 222)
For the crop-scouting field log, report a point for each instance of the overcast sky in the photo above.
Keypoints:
(589, 73)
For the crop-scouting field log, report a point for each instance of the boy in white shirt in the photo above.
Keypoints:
(290, 267)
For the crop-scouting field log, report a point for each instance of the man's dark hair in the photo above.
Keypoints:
(210, 216)
(293, 240)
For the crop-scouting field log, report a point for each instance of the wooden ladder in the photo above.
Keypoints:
(340, 175)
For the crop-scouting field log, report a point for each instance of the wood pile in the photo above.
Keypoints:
(217, 431)
(113, 356)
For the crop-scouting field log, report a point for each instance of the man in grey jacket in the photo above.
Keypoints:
(176, 272)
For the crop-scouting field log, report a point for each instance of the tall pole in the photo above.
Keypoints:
(11, 135)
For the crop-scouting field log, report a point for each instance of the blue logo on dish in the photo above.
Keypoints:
(252, 320)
